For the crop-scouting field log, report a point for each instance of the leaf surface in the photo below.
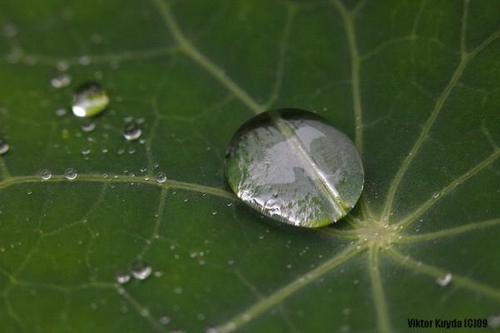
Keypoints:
(413, 83)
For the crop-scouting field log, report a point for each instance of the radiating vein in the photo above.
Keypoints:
(465, 58)
(438, 107)
(383, 323)
(422, 209)
(52, 61)
(459, 280)
(4, 170)
(280, 295)
(156, 228)
(141, 310)
(280, 68)
(93, 178)
(186, 47)
(350, 31)
(474, 226)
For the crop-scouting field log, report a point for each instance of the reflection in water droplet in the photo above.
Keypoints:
(132, 132)
(61, 80)
(70, 174)
(141, 271)
(161, 178)
(88, 127)
(4, 147)
(122, 278)
(45, 174)
(444, 280)
(89, 100)
(293, 166)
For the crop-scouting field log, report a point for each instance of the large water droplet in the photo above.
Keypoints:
(141, 271)
(4, 147)
(132, 132)
(89, 100)
(293, 166)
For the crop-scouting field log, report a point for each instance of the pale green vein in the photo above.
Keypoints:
(437, 196)
(463, 30)
(4, 170)
(437, 273)
(94, 178)
(139, 308)
(465, 58)
(280, 68)
(350, 30)
(156, 229)
(280, 295)
(186, 47)
(438, 106)
(82, 220)
(383, 323)
(474, 226)
(47, 60)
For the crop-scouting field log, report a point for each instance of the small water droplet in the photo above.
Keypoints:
(61, 112)
(89, 100)
(84, 60)
(9, 30)
(4, 147)
(161, 178)
(132, 132)
(61, 80)
(435, 195)
(494, 321)
(122, 278)
(62, 65)
(70, 174)
(164, 320)
(88, 127)
(141, 271)
(45, 174)
(444, 280)
(293, 166)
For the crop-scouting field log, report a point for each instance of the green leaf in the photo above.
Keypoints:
(414, 83)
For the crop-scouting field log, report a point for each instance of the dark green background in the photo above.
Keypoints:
(414, 83)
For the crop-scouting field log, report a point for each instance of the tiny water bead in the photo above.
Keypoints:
(444, 280)
(293, 166)
(132, 132)
(70, 174)
(61, 80)
(161, 178)
(45, 174)
(122, 278)
(88, 127)
(141, 271)
(4, 147)
(89, 100)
